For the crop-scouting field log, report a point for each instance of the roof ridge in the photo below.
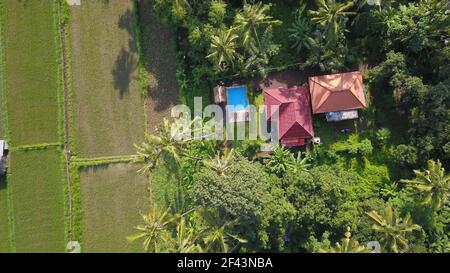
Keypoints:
(323, 99)
(353, 94)
(304, 128)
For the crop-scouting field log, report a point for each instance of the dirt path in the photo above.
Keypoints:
(158, 45)
(67, 153)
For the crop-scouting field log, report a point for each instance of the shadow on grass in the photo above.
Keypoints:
(159, 59)
(123, 70)
(3, 183)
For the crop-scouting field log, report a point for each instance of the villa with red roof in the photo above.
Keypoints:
(295, 118)
(338, 95)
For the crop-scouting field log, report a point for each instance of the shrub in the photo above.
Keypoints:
(406, 154)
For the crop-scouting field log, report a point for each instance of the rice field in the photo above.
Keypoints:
(4, 218)
(31, 71)
(112, 198)
(108, 108)
(37, 185)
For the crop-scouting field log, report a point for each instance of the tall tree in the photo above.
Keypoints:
(433, 184)
(331, 16)
(223, 49)
(155, 230)
(220, 163)
(250, 19)
(301, 33)
(280, 161)
(219, 235)
(186, 239)
(393, 229)
(168, 144)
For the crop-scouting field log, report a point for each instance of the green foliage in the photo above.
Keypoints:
(259, 57)
(433, 184)
(347, 245)
(420, 26)
(219, 236)
(406, 154)
(280, 161)
(389, 190)
(250, 19)
(383, 135)
(217, 12)
(425, 106)
(240, 193)
(322, 199)
(155, 230)
(393, 229)
(224, 49)
(331, 16)
(355, 147)
(300, 32)
(407, 90)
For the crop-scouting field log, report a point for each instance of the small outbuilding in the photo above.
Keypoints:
(3, 154)
(220, 94)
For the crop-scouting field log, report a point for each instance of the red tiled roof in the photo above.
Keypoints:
(295, 119)
(337, 92)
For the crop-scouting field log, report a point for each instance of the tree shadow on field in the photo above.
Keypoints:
(126, 22)
(123, 70)
(3, 184)
(158, 49)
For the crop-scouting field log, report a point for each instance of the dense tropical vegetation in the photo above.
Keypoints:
(387, 182)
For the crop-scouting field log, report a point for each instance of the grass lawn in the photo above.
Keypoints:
(31, 66)
(37, 182)
(108, 109)
(112, 198)
(4, 223)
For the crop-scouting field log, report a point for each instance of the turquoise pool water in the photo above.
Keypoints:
(237, 97)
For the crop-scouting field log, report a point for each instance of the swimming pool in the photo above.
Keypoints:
(237, 98)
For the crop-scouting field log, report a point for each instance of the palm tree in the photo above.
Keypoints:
(280, 161)
(347, 245)
(300, 32)
(331, 16)
(182, 4)
(169, 144)
(224, 49)
(259, 57)
(156, 229)
(250, 18)
(220, 163)
(433, 183)
(300, 165)
(218, 235)
(393, 229)
(185, 241)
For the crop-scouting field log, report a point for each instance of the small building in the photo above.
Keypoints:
(339, 96)
(3, 154)
(220, 94)
(294, 110)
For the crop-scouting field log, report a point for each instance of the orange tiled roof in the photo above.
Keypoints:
(337, 92)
